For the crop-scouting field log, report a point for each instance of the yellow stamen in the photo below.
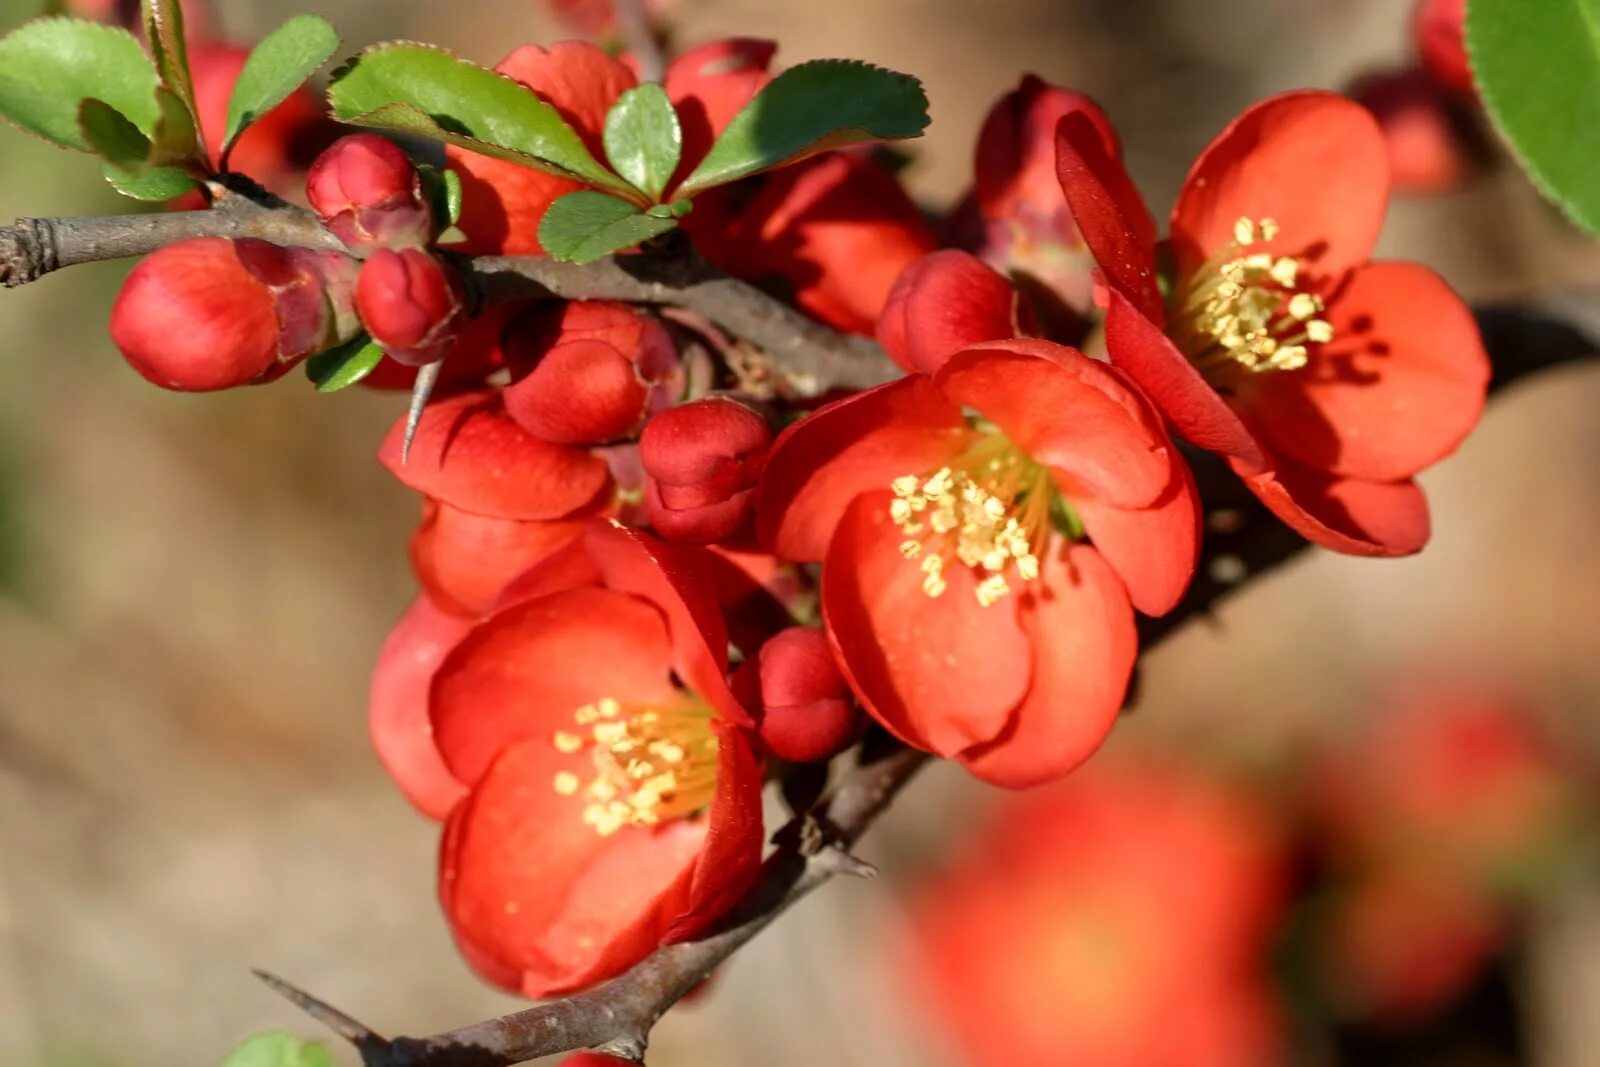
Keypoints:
(650, 765)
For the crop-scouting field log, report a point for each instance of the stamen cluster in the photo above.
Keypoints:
(976, 520)
(649, 766)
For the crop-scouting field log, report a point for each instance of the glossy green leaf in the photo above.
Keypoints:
(155, 185)
(426, 91)
(1536, 64)
(643, 139)
(111, 135)
(49, 65)
(278, 66)
(675, 210)
(278, 1049)
(808, 109)
(452, 196)
(585, 226)
(163, 29)
(338, 368)
(176, 138)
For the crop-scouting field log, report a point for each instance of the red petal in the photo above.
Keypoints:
(578, 79)
(529, 886)
(1067, 411)
(1081, 630)
(1015, 163)
(1153, 549)
(676, 579)
(1109, 212)
(1345, 514)
(524, 671)
(1313, 161)
(502, 203)
(709, 85)
(463, 560)
(941, 304)
(397, 710)
(1195, 410)
(942, 673)
(470, 455)
(731, 858)
(1397, 389)
(568, 567)
(863, 442)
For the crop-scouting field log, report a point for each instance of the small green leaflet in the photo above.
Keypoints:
(345, 365)
(48, 66)
(585, 226)
(155, 184)
(163, 28)
(278, 66)
(277, 1049)
(111, 136)
(642, 138)
(1536, 64)
(427, 91)
(442, 187)
(176, 139)
(808, 109)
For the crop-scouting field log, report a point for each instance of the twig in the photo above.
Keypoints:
(639, 38)
(616, 1017)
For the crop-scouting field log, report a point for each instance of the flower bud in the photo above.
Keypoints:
(942, 303)
(799, 697)
(1428, 154)
(1441, 45)
(410, 302)
(702, 461)
(369, 194)
(211, 313)
(579, 393)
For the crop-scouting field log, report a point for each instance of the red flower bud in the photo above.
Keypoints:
(1437, 27)
(210, 313)
(579, 393)
(801, 702)
(942, 303)
(1427, 153)
(368, 193)
(702, 461)
(410, 302)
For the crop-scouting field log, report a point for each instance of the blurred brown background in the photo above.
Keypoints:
(192, 590)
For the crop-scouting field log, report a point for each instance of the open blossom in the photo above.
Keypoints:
(601, 786)
(1327, 380)
(986, 534)
(1120, 918)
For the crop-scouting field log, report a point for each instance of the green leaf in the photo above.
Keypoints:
(176, 138)
(1537, 69)
(642, 138)
(277, 1049)
(278, 66)
(111, 136)
(154, 185)
(48, 65)
(163, 28)
(429, 92)
(675, 210)
(344, 366)
(808, 109)
(582, 227)
(452, 197)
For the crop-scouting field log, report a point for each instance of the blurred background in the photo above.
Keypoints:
(193, 589)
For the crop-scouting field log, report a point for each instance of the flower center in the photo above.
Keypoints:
(1247, 310)
(990, 510)
(650, 764)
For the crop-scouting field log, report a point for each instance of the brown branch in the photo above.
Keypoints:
(1246, 542)
(638, 34)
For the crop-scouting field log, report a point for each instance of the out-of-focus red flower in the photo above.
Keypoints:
(1427, 155)
(588, 372)
(278, 146)
(1441, 43)
(703, 460)
(1016, 219)
(503, 203)
(1119, 918)
(799, 697)
(366, 190)
(942, 303)
(1326, 379)
(212, 313)
(833, 233)
(613, 795)
(969, 613)
(598, 18)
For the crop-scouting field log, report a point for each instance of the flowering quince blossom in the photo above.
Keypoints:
(1327, 380)
(1118, 918)
(986, 532)
(597, 776)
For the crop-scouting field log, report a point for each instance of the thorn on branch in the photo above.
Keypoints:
(836, 860)
(358, 1034)
(629, 1047)
(427, 378)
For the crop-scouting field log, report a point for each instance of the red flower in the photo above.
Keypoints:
(613, 795)
(1118, 919)
(1428, 154)
(1437, 26)
(970, 615)
(503, 203)
(1327, 380)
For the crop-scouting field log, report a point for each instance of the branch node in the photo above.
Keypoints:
(836, 860)
(27, 251)
(630, 1047)
(357, 1033)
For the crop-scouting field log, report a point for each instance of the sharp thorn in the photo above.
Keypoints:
(427, 378)
(352, 1031)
